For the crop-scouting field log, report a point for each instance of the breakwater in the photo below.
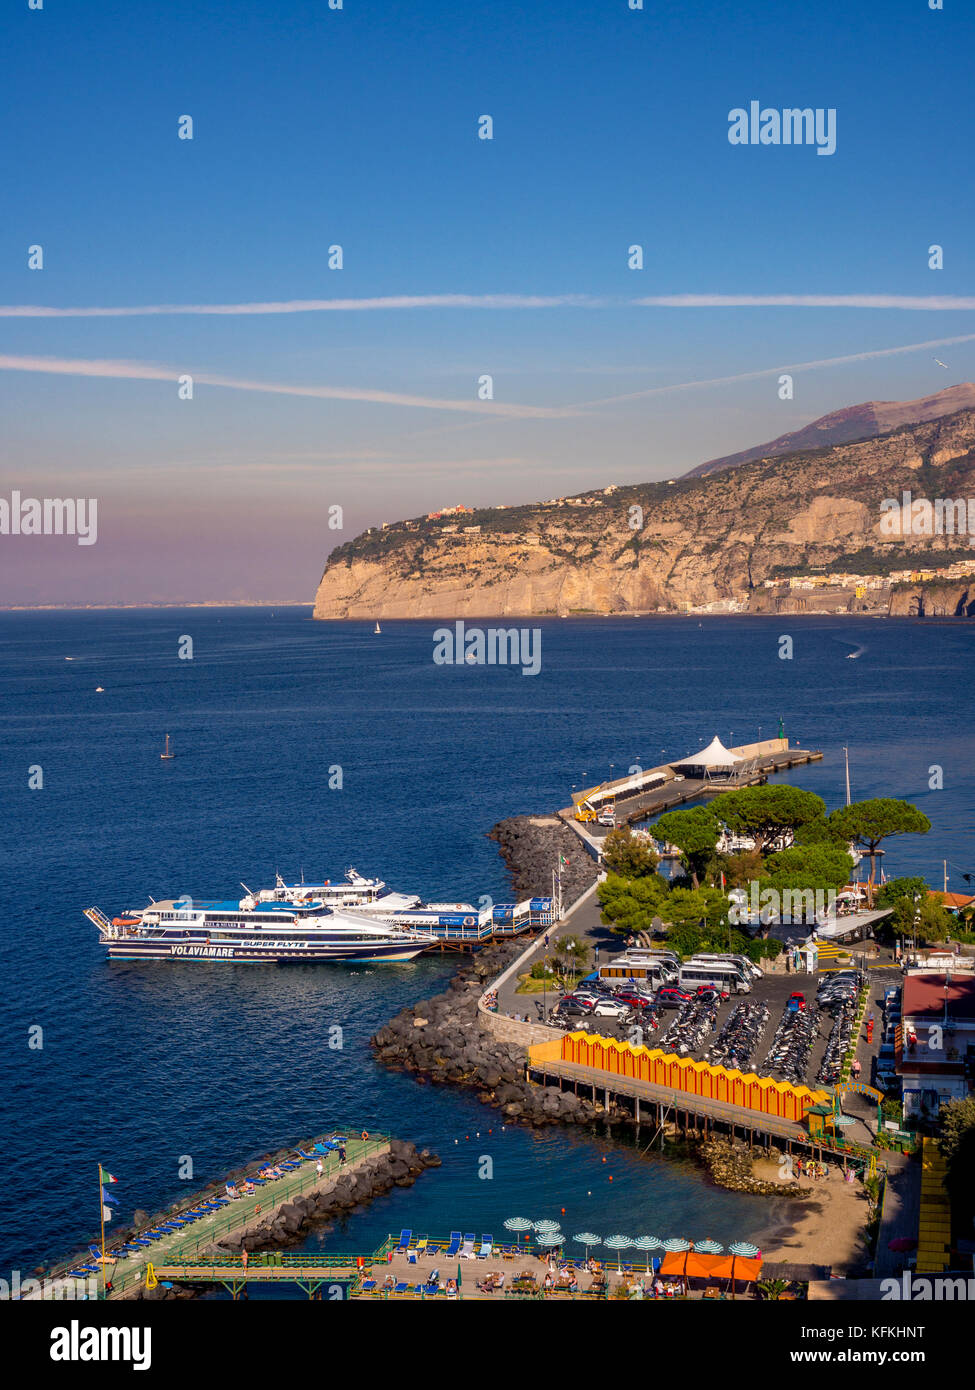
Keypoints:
(445, 1039)
(283, 1225)
(531, 847)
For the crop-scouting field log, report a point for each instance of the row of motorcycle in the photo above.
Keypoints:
(692, 1024)
(739, 1037)
(792, 1042)
(838, 1043)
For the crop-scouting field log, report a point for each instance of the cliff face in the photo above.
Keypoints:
(933, 601)
(698, 541)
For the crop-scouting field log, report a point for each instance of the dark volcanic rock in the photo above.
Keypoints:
(530, 845)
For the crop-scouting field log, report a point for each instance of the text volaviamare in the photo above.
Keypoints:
(50, 516)
(790, 126)
(493, 646)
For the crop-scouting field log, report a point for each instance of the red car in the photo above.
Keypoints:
(797, 1002)
(635, 1001)
(670, 997)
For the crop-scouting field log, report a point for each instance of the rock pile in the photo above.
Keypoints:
(443, 1038)
(730, 1165)
(530, 846)
(284, 1225)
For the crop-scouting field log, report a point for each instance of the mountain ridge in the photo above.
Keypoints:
(662, 547)
(864, 421)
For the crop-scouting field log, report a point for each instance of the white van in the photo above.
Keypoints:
(722, 974)
(747, 966)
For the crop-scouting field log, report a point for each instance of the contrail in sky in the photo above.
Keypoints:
(497, 301)
(144, 371)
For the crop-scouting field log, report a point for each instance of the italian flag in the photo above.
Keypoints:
(105, 1176)
(562, 860)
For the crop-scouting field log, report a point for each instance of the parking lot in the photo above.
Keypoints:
(774, 991)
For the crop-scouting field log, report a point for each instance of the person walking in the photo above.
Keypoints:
(318, 1168)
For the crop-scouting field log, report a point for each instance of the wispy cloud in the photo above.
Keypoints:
(144, 371)
(495, 301)
(783, 367)
(807, 301)
(308, 306)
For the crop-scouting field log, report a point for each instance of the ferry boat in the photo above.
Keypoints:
(250, 931)
(353, 891)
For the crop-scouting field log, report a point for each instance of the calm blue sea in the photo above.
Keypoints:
(145, 1065)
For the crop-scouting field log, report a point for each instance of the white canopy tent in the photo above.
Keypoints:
(715, 760)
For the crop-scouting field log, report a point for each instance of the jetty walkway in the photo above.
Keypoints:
(756, 763)
(195, 1231)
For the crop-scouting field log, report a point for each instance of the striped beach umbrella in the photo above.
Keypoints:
(546, 1225)
(618, 1243)
(708, 1247)
(741, 1250)
(587, 1238)
(551, 1238)
(518, 1224)
(647, 1243)
(677, 1245)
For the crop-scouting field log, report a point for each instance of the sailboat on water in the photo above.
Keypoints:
(377, 628)
(168, 753)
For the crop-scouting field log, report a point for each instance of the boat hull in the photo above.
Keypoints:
(265, 953)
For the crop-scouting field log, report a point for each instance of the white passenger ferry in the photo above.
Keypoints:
(352, 891)
(254, 931)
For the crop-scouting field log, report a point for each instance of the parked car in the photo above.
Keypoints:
(571, 1010)
(609, 1008)
(634, 1001)
(670, 997)
(711, 993)
(796, 1002)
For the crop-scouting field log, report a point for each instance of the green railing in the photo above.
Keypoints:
(241, 1211)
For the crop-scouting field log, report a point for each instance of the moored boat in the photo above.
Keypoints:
(254, 932)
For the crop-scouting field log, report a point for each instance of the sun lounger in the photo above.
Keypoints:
(404, 1242)
(486, 1246)
(467, 1249)
(402, 1286)
(454, 1246)
(368, 1285)
(429, 1290)
(423, 1246)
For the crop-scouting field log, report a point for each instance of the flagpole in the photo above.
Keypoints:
(101, 1213)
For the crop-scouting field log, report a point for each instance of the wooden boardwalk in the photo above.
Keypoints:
(685, 1110)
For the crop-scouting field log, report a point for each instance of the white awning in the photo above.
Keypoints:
(715, 755)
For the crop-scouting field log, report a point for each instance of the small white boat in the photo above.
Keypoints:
(167, 753)
(377, 628)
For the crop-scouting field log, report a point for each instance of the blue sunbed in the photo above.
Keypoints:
(404, 1242)
(454, 1246)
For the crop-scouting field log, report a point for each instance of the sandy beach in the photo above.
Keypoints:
(825, 1228)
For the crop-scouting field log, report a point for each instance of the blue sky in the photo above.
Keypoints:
(358, 127)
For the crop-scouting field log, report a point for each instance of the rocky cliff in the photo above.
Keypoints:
(657, 547)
